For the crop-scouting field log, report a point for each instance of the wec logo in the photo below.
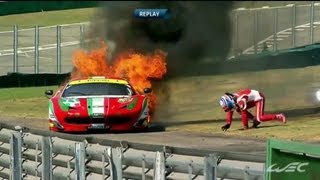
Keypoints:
(292, 167)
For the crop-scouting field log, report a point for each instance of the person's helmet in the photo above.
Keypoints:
(227, 102)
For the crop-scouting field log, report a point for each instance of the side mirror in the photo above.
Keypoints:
(48, 93)
(147, 90)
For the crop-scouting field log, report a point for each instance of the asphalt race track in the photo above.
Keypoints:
(265, 31)
(157, 136)
(161, 137)
(70, 41)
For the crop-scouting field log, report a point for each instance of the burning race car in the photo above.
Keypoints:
(98, 103)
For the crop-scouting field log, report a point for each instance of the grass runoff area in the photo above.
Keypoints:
(29, 102)
(193, 104)
(193, 101)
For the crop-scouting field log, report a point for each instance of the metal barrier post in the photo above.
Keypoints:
(81, 36)
(275, 30)
(58, 49)
(246, 173)
(46, 148)
(311, 22)
(115, 158)
(103, 166)
(80, 167)
(293, 29)
(16, 156)
(143, 168)
(190, 170)
(36, 49)
(236, 38)
(255, 32)
(15, 48)
(210, 167)
(159, 166)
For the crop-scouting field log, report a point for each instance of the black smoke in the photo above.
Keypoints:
(195, 30)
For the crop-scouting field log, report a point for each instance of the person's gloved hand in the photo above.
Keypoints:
(225, 127)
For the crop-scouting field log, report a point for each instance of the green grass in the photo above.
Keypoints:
(24, 102)
(46, 18)
(196, 99)
(304, 128)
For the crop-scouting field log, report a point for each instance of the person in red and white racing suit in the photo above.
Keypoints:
(241, 102)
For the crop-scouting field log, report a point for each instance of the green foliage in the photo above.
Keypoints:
(24, 102)
(23, 93)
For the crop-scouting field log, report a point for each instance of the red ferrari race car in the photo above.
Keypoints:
(98, 103)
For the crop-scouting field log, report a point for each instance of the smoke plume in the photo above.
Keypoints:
(195, 31)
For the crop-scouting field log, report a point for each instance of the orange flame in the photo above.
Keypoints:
(137, 68)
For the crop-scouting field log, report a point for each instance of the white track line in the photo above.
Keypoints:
(283, 35)
(286, 33)
(270, 38)
(25, 50)
(41, 48)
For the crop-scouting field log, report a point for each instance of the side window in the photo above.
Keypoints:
(65, 91)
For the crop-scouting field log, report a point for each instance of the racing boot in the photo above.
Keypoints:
(255, 124)
(281, 117)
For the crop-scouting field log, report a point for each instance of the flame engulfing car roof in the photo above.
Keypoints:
(98, 79)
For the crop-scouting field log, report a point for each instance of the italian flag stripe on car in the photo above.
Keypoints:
(95, 106)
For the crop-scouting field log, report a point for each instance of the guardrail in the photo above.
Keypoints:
(41, 49)
(31, 153)
(49, 49)
(275, 28)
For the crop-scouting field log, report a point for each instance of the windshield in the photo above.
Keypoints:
(97, 89)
